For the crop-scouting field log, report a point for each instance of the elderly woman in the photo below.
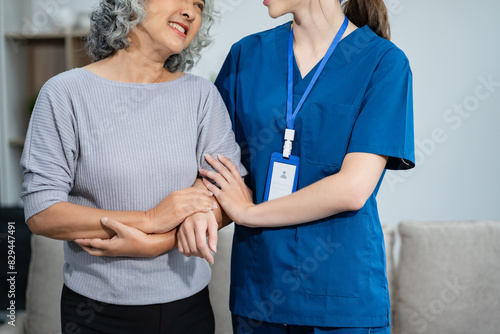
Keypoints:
(124, 138)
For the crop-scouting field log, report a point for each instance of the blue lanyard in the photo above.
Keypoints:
(290, 117)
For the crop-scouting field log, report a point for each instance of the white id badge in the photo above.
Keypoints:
(282, 176)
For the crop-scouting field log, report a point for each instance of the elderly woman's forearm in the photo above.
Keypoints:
(162, 243)
(68, 221)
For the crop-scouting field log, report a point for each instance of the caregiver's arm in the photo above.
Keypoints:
(348, 190)
(68, 221)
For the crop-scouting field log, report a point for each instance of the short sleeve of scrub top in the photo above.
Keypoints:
(385, 123)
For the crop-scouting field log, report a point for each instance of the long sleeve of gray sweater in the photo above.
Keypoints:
(123, 146)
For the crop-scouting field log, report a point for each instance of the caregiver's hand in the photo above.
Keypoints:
(234, 196)
(128, 241)
(192, 236)
(176, 207)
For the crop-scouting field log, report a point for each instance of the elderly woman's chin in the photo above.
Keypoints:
(175, 49)
(166, 46)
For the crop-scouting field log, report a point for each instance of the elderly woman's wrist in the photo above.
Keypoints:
(161, 243)
(147, 224)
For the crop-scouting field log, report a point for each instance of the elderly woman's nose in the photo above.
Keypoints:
(188, 10)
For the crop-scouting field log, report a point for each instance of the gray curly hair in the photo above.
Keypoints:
(112, 21)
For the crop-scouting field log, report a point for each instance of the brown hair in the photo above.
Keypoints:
(369, 12)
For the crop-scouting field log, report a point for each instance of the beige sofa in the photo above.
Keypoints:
(447, 280)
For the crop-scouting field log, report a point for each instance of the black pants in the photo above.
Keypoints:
(82, 315)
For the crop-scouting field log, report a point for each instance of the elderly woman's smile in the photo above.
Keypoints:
(180, 28)
(181, 18)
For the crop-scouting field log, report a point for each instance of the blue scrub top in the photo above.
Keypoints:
(330, 272)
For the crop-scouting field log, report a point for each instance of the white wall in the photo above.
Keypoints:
(453, 47)
(239, 18)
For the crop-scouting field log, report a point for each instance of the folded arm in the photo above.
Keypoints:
(132, 242)
(68, 221)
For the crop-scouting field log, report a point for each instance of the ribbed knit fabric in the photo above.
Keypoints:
(123, 146)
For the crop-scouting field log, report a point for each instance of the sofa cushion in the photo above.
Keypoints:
(45, 283)
(448, 278)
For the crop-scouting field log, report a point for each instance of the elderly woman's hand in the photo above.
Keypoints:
(176, 207)
(192, 236)
(128, 241)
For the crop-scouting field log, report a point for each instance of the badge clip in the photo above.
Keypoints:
(287, 147)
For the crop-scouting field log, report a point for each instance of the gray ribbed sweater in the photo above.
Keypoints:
(123, 146)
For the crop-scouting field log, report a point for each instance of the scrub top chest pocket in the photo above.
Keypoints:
(327, 130)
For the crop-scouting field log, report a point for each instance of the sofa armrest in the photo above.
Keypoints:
(18, 329)
(219, 284)
(45, 281)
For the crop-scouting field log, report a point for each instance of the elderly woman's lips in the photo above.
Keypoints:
(179, 28)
